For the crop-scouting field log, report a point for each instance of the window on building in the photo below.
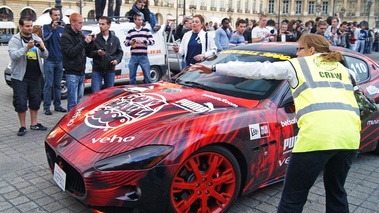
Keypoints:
(246, 5)
(202, 4)
(222, 4)
(239, 5)
(311, 8)
(271, 6)
(325, 6)
(213, 4)
(298, 7)
(285, 7)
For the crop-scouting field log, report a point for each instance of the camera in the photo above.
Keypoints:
(102, 49)
(36, 43)
(59, 22)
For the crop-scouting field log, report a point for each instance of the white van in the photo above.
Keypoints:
(156, 53)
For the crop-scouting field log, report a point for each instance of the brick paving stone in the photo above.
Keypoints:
(25, 207)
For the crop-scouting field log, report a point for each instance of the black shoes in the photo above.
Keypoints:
(21, 131)
(38, 126)
(47, 112)
(60, 109)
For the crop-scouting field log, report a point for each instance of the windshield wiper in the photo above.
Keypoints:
(201, 86)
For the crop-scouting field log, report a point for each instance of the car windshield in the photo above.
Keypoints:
(235, 86)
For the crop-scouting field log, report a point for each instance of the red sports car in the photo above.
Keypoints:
(193, 144)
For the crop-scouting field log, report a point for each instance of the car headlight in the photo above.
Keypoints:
(141, 158)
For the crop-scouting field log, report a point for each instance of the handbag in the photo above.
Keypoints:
(366, 105)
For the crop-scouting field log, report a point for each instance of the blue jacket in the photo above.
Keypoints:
(51, 39)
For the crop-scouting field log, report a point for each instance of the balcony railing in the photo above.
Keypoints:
(203, 7)
(213, 8)
(222, 9)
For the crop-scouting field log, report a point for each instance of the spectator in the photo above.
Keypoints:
(314, 28)
(222, 35)
(139, 8)
(53, 68)
(26, 51)
(106, 53)
(74, 44)
(152, 18)
(331, 32)
(139, 38)
(354, 34)
(376, 42)
(307, 27)
(99, 8)
(292, 27)
(247, 33)
(321, 28)
(210, 26)
(343, 38)
(114, 15)
(285, 35)
(237, 37)
(361, 42)
(336, 119)
(196, 44)
(261, 33)
(215, 26)
(184, 26)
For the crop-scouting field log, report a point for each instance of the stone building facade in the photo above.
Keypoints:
(278, 10)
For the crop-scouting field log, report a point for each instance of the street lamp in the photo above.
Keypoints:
(192, 9)
(318, 8)
(369, 3)
(58, 5)
(229, 12)
(342, 11)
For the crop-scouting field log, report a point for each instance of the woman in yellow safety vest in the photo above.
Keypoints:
(328, 119)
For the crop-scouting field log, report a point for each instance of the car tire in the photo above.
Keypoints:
(155, 74)
(211, 175)
(63, 89)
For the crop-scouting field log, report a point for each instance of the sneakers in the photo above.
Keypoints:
(21, 131)
(60, 109)
(47, 112)
(38, 126)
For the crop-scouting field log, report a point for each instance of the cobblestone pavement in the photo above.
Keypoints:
(26, 183)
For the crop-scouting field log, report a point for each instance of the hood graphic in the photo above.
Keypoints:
(125, 117)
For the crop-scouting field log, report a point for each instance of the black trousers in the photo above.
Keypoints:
(99, 8)
(302, 171)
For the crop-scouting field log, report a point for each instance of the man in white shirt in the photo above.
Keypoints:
(260, 33)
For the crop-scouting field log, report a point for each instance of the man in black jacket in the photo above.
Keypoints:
(73, 45)
(106, 53)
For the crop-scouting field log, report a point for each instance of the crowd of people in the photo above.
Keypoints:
(352, 35)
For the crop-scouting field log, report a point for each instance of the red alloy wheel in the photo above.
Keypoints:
(208, 181)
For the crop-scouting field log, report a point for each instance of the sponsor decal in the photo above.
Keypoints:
(258, 131)
(265, 54)
(288, 122)
(124, 110)
(372, 90)
(221, 99)
(284, 161)
(194, 107)
(372, 122)
(289, 143)
(77, 114)
(171, 90)
(113, 139)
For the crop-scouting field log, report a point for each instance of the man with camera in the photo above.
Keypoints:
(53, 68)
(26, 51)
(106, 53)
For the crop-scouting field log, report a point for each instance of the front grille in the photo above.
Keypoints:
(74, 181)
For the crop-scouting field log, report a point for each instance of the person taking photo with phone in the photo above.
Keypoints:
(26, 51)
(106, 52)
(53, 68)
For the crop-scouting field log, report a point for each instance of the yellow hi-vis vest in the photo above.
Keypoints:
(326, 108)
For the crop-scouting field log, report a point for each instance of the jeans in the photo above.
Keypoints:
(99, 8)
(97, 80)
(53, 71)
(360, 46)
(144, 62)
(116, 10)
(75, 89)
(302, 171)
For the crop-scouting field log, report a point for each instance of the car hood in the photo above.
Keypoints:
(125, 117)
